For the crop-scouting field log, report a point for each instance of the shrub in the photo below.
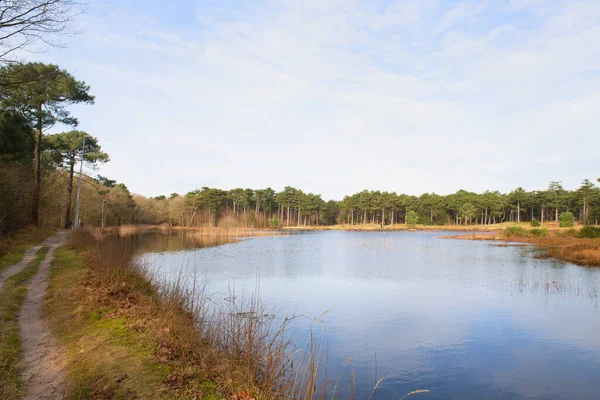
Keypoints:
(567, 219)
(539, 232)
(535, 223)
(589, 232)
(516, 231)
(274, 222)
(569, 232)
(412, 218)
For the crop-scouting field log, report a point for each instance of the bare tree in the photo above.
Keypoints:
(26, 22)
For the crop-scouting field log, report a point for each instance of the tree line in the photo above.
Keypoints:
(293, 207)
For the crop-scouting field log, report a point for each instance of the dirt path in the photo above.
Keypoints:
(27, 258)
(42, 371)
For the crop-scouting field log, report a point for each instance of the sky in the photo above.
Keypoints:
(337, 96)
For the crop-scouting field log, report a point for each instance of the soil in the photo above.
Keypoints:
(42, 370)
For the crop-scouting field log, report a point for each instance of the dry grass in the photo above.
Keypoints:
(403, 227)
(562, 244)
(12, 297)
(214, 231)
(13, 247)
(125, 336)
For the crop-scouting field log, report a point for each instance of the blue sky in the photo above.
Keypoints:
(337, 96)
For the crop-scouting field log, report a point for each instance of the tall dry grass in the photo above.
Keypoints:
(225, 231)
(236, 342)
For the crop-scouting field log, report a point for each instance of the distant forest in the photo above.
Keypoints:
(293, 207)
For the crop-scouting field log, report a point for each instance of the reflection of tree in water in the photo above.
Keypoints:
(167, 241)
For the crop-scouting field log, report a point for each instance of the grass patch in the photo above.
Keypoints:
(539, 232)
(12, 297)
(517, 231)
(12, 248)
(590, 232)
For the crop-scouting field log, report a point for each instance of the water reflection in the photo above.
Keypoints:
(462, 319)
(162, 240)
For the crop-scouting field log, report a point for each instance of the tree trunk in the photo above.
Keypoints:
(542, 220)
(518, 212)
(192, 219)
(35, 212)
(70, 191)
(556, 215)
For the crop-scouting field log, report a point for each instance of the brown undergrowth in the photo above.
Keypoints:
(128, 335)
(566, 245)
(13, 247)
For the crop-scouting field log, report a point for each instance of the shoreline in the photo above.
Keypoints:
(561, 245)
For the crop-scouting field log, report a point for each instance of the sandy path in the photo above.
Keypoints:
(42, 371)
(27, 258)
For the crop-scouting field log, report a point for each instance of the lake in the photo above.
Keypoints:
(462, 319)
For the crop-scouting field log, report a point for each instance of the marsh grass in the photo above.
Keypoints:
(12, 297)
(567, 245)
(224, 231)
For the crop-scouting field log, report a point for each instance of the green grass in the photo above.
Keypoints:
(590, 232)
(539, 232)
(516, 231)
(12, 296)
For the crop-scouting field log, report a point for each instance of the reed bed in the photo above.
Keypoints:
(567, 245)
(127, 230)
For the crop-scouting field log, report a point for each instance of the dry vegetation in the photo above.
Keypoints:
(560, 243)
(127, 230)
(13, 247)
(125, 336)
(419, 227)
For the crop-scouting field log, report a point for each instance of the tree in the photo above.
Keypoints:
(41, 92)
(25, 22)
(567, 219)
(104, 181)
(584, 194)
(67, 148)
(518, 196)
(558, 197)
(412, 218)
(16, 137)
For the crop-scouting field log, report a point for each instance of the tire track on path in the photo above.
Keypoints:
(42, 370)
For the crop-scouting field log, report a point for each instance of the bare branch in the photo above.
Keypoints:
(26, 22)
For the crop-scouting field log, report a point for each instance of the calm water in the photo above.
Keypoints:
(462, 319)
